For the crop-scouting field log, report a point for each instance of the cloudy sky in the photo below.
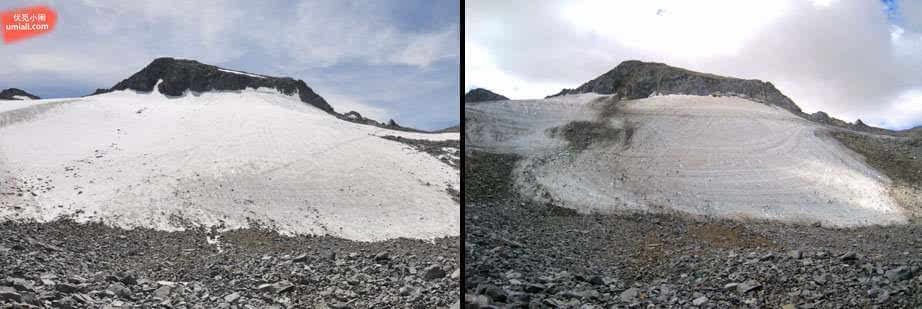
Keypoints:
(386, 59)
(851, 58)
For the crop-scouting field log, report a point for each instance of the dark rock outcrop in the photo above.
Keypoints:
(635, 79)
(354, 116)
(453, 129)
(179, 75)
(99, 91)
(822, 117)
(9, 94)
(480, 95)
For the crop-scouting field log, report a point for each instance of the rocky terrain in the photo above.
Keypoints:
(634, 79)
(519, 253)
(530, 249)
(480, 95)
(180, 75)
(63, 264)
(16, 94)
(899, 157)
(446, 151)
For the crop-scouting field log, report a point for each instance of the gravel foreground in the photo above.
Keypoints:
(520, 254)
(63, 264)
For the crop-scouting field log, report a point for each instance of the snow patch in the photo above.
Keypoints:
(222, 159)
(241, 73)
(22, 97)
(722, 156)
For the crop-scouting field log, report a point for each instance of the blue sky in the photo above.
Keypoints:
(853, 59)
(386, 59)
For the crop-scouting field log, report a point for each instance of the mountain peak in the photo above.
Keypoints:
(634, 79)
(17, 94)
(180, 75)
(480, 95)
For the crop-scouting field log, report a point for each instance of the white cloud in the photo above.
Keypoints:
(481, 72)
(426, 49)
(345, 103)
(702, 29)
(904, 111)
(844, 57)
(325, 33)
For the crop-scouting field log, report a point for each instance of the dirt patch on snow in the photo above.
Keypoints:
(582, 134)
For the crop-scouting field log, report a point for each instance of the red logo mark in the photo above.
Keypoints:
(27, 22)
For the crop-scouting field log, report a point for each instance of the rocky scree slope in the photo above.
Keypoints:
(480, 95)
(12, 93)
(519, 253)
(64, 264)
(179, 75)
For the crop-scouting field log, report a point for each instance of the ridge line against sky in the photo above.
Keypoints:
(851, 59)
(384, 59)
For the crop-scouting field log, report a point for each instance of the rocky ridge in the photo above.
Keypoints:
(11, 93)
(179, 76)
(480, 95)
(634, 79)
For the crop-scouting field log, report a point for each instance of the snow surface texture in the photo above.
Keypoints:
(219, 159)
(21, 97)
(721, 156)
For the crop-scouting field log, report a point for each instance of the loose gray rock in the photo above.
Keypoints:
(534, 288)
(66, 303)
(66, 287)
(849, 256)
(748, 286)
(9, 294)
(821, 279)
(21, 284)
(162, 292)
(596, 280)
(495, 293)
(232, 297)
(382, 257)
(630, 295)
(899, 274)
(700, 301)
(433, 272)
(119, 289)
(128, 278)
(278, 287)
(300, 259)
(405, 291)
